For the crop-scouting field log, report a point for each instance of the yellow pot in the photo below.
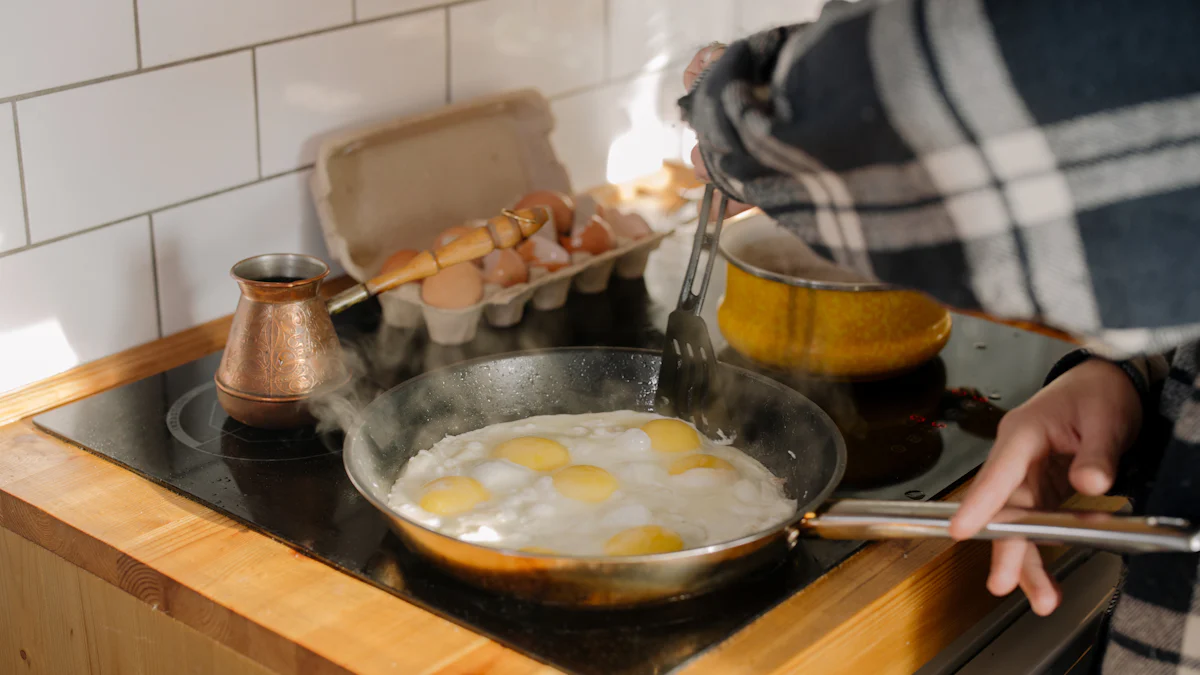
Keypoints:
(787, 308)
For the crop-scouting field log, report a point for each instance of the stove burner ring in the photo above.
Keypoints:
(230, 439)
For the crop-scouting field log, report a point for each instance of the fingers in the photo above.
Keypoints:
(700, 62)
(1002, 473)
(1016, 562)
(1008, 555)
(698, 164)
(1095, 466)
(1042, 591)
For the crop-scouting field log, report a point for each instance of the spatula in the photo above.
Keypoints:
(688, 376)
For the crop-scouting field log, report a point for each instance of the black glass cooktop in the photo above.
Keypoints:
(912, 437)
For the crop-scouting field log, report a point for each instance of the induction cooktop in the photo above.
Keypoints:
(913, 437)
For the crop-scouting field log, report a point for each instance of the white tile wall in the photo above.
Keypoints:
(108, 151)
(370, 9)
(650, 34)
(51, 43)
(172, 30)
(81, 298)
(381, 69)
(499, 45)
(196, 244)
(189, 141)
(621, 131)
(760, 15)
(12, 212)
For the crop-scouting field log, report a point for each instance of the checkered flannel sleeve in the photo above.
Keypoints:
(1033, 159)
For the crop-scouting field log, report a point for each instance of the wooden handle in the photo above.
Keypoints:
(503, 231)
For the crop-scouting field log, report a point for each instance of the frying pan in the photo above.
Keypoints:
(777, 426)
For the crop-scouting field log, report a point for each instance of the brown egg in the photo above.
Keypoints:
(543, 253)
(560, 205)
(629, 225)
(455, 287)
(450, 234)
(504, 267)
(596, 237)
(397, 260)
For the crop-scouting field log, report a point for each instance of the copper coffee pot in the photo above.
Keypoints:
(282, 348)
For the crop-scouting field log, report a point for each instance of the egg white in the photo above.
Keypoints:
(702, 506)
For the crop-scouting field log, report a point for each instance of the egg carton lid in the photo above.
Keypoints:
(398, 183)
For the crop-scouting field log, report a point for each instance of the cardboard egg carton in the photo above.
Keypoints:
(399, 183)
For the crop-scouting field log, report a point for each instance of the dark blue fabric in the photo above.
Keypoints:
(1142, 256)
(1060, 53)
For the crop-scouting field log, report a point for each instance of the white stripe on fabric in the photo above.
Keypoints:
(830, 196)
(1019, 154)
(1125, 342)
(972, 68)
(1133, 176)
(917, 111)
(1001, 291)
(958, 169)
(978, 215)
(979, 85)
(1053, 283)
(1041, 199)
(906, 86)
(1125, 129)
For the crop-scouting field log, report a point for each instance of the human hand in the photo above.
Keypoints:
(698, 65)
(1069, 435)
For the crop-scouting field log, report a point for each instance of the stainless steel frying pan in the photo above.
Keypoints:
(769, 420)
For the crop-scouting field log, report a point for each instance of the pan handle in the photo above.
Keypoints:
(870, 519)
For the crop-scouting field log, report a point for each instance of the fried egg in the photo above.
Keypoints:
(602, 484)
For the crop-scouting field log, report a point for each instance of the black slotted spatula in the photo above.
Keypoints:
(688, 378)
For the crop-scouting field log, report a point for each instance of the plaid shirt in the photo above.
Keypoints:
(1033, 159)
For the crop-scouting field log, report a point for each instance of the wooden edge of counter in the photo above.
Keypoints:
(276, 606)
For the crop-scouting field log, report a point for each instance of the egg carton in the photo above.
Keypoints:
(504, 307)
(398, 184)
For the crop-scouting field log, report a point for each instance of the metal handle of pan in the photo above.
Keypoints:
(861, 519)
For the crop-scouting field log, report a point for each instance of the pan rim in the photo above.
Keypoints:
(802, 510)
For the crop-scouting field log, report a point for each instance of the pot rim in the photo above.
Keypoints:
(800, 282)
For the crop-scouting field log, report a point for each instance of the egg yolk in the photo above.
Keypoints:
(453, 494)
(585, 483)
(671, 435)
(698, 462)
(537, 549)
(533, 452)
(643, 540)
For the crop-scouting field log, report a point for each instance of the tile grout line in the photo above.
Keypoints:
(21, 176)
(158, 209)
(226, 52)
(449, 55)
(154, 271)
(607, 50)
(137, 34)
(257, 114)
(354, 11)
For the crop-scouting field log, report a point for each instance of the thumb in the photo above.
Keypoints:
(1094, 467)
(1002, 473)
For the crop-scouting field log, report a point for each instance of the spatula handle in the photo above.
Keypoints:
(864, 519)
(690, 300)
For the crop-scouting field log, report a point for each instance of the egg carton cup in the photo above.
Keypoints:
(504, 307)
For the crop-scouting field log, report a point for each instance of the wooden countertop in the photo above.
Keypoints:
(888, 609)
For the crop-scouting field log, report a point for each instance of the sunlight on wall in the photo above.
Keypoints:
(34, 352)
(640, 151)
